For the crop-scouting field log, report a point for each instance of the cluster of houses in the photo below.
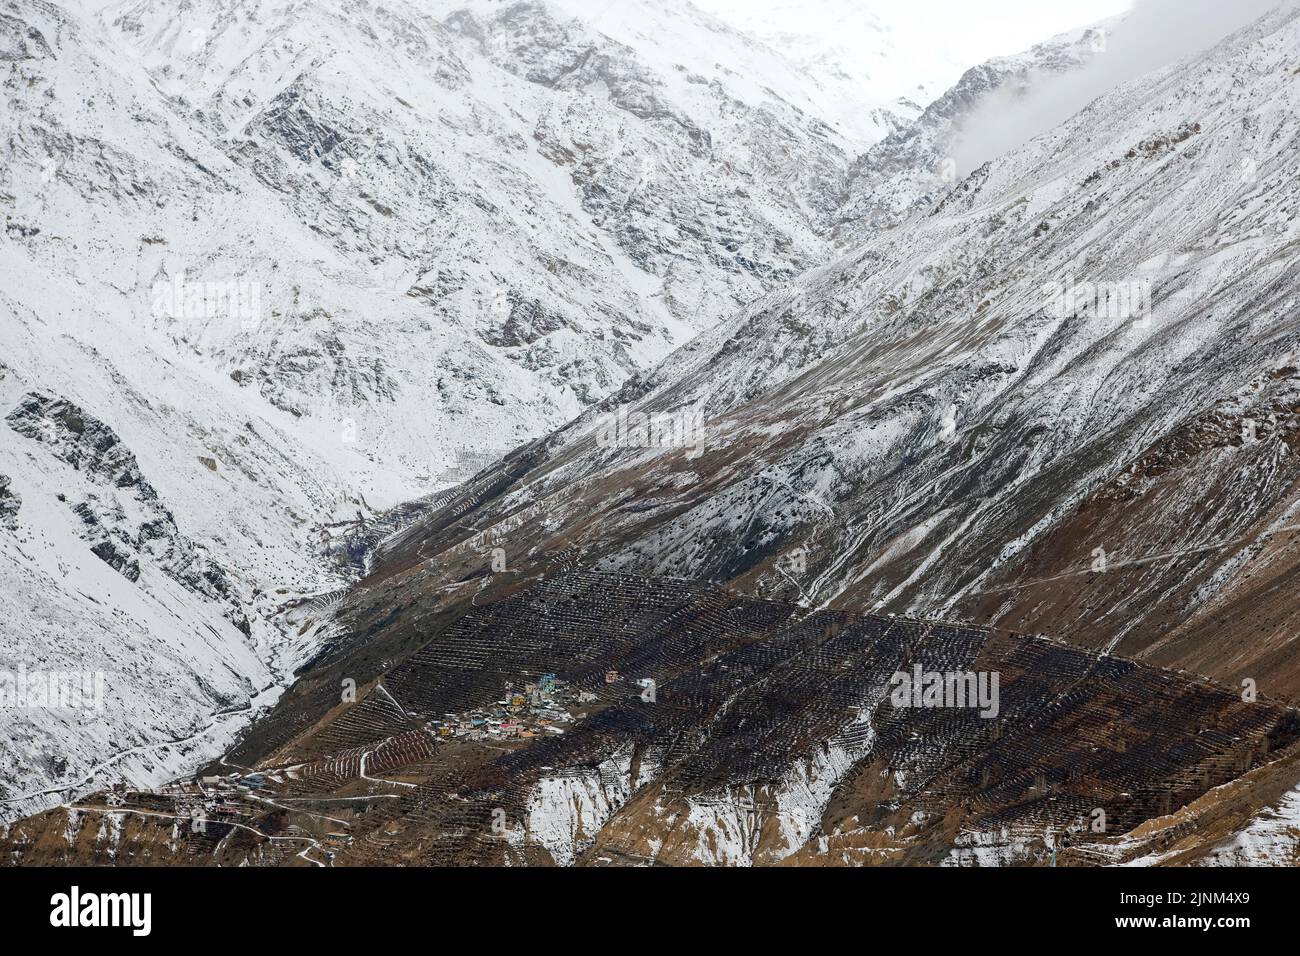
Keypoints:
(246, 782)
(535, 709)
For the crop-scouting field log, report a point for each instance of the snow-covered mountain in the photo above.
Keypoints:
(1060, 398)
(875, 81)
(277, 265)
(922, 412)
(273, 266)
(867, 86)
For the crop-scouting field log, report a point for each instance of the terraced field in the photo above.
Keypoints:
(701, 727)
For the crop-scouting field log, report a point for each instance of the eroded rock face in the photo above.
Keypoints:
(86, 444)
(19, 41)
(10, 502)
(125, 523)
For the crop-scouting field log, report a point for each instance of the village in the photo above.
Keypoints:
(271, 804)
(534, 709)
(547, 706)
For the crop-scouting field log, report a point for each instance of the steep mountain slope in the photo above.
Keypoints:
(289, 264)
(932, 422)
(533, 186)
(1061, 398)
(273, 266)
(929, 425)
(119, 440)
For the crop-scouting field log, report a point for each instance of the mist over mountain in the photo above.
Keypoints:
(1151, 36)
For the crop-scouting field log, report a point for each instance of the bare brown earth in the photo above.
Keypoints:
(1197, 575)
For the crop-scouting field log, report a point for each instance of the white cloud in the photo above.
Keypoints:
(1155, 34)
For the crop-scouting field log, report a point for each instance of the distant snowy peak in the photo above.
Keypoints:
(756, 65)
(871, 79)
